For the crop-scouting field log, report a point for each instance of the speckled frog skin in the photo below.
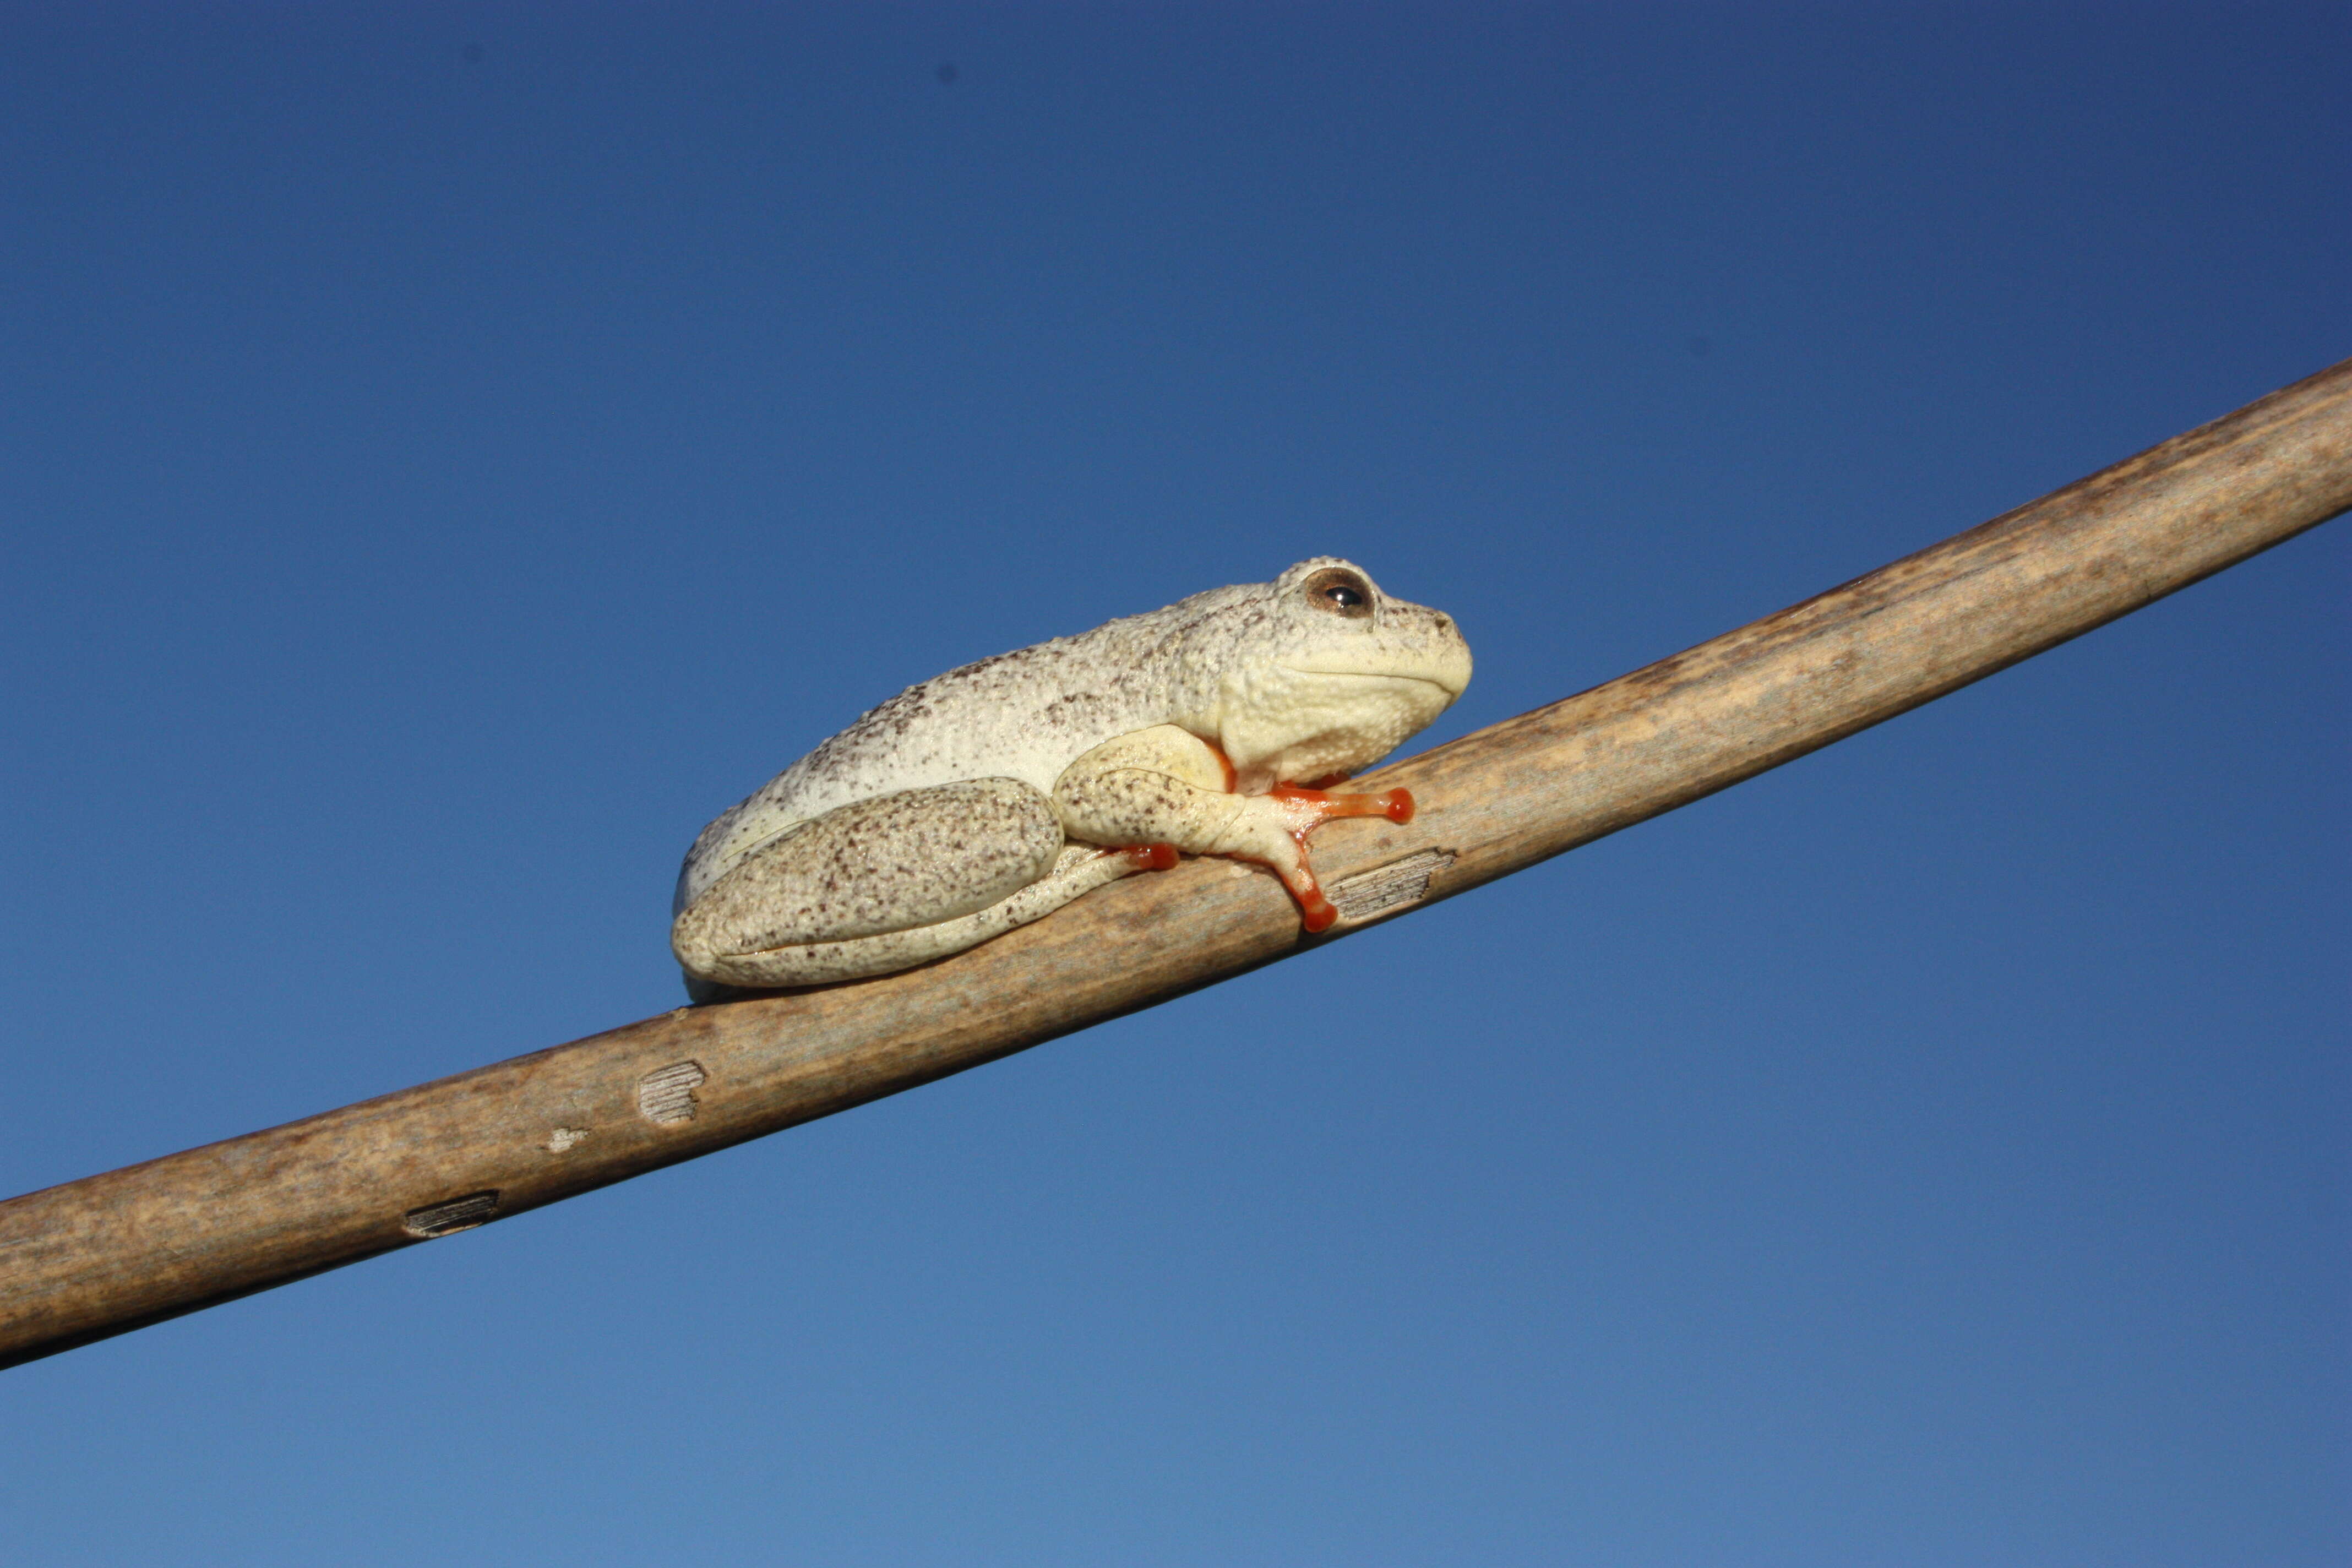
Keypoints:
(989, 796)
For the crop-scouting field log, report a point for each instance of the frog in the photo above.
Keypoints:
(985, 798)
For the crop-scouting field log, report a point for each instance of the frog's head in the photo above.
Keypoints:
(1320, 674)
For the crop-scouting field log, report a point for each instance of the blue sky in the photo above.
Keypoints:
(447, 454)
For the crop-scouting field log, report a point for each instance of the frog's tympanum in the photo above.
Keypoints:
(997, 793)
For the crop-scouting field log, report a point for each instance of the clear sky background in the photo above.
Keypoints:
(447, 453)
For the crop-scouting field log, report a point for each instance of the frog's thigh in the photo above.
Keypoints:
(1077, 869)
(886, 884)
(1166, 786)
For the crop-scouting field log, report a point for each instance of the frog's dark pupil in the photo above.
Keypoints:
(1344, 596)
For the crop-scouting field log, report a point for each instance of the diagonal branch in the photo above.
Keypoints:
(114, 1252)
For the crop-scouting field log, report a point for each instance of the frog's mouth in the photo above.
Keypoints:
(1452, 688)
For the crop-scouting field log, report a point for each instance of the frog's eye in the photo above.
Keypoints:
(1340, 591)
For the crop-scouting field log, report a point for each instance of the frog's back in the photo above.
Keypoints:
(1021, 715)
(1025, 715)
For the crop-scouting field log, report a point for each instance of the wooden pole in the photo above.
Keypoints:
(114, 1252)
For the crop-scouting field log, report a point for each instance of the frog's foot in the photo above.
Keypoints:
(1310, 808)
(1301, 811)
(1168, 783)
(1149, 856)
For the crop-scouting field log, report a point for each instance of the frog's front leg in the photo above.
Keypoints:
(885, 884)
(1165, 784)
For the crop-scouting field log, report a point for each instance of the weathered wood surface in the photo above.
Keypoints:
(114, 1252)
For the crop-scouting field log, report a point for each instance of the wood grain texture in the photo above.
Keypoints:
(114, 1252)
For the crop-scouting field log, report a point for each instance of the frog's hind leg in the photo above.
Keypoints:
(883, 885)
(1079, 869)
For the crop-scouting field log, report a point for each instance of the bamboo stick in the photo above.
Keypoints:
(114, 1252)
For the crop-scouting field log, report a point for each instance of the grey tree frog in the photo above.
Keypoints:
(992, 794)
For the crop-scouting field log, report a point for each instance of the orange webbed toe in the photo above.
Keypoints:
(1151, 856)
